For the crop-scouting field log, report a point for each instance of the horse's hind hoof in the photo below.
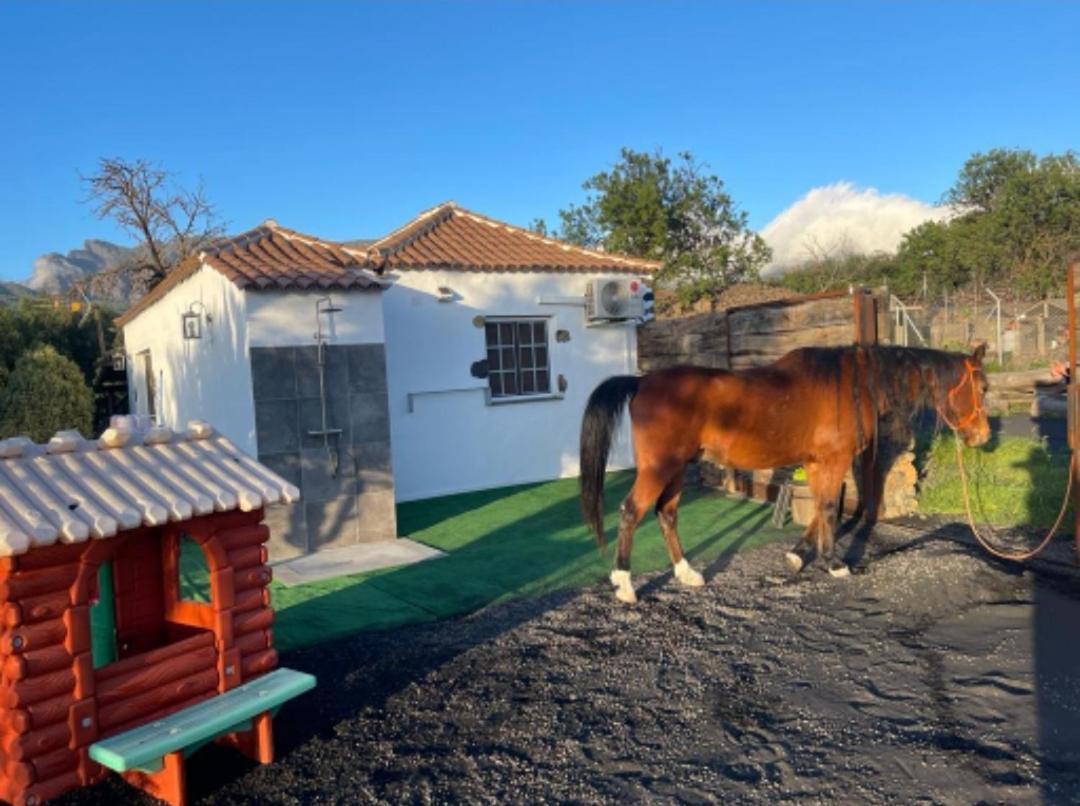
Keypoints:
(626, 595)
(794, 561)
(839, 571)
(624, 590)
(687, 575)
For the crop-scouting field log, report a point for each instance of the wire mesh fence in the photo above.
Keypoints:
(1020, 333)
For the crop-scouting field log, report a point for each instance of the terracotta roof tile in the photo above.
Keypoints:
(271, 257)
(451, 237)
(445, 237)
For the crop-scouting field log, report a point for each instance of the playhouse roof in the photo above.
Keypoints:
(451, 237)
(72, 489)
(271, 257)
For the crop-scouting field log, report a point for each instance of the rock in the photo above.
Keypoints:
(54, 273)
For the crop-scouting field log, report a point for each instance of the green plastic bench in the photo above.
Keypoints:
(144, 749)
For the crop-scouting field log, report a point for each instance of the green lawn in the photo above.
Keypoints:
(511, 542)
(1011, 480)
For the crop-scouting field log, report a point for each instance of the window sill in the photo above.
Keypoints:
(511, 399)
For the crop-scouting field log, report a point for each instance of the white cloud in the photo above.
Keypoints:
(843, 218)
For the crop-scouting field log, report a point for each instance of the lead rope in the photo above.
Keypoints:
(1017, 556)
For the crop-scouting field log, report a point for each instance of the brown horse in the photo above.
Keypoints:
(816, 406)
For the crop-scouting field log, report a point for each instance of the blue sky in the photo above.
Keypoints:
(346, 119)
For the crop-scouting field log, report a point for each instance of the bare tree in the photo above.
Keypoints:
(168, 222)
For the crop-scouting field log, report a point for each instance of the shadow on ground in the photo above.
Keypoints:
(937, 674)
(523, 547)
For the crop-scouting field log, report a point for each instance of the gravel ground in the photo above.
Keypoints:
(934, 674)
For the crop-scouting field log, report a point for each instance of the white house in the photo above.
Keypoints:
(454, 354)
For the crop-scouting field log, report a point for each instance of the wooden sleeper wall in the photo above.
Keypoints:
(747, 337)
(762, 334)
(700, 340)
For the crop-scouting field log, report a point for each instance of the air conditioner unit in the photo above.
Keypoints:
(613, 300)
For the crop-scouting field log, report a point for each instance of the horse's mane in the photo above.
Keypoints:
(900, 381)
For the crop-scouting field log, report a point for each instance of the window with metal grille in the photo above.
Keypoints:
(517, 355)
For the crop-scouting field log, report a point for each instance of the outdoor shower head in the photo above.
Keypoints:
(329, 307)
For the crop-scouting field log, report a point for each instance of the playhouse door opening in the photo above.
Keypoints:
(152, 591)
(153, 642)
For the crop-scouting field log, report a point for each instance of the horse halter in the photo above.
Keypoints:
(976, 403)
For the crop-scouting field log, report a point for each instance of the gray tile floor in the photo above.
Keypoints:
(352, 560)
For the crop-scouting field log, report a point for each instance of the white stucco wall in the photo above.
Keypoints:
(454, 442)
(287, 318)
(210, 378)
(197, 379)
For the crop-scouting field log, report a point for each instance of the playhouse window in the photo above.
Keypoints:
(193, 571)
(151, 590)
(517, 355)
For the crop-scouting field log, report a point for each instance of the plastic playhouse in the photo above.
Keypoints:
(136, 620)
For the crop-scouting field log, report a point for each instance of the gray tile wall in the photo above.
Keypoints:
(347, 493)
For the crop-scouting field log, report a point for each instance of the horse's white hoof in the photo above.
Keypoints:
(793, 561)
(626, 595)
(624, 590)
(839, 571)
(687, 575)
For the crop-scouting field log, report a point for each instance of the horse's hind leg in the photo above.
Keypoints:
(647, 488)
(795, 557)
(667, 512)
(827, 539)
(826, 485)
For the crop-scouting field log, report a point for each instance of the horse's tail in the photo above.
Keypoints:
(602, 415)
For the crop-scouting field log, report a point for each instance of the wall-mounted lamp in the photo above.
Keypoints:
(447, 294)
(192, 320)
(119, 361)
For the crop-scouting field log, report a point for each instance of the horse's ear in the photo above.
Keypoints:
(979, 354)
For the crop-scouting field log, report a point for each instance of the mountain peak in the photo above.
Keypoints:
(55, 273)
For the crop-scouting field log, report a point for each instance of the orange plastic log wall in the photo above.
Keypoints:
(54, 704)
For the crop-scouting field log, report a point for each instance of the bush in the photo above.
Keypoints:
(45, 393)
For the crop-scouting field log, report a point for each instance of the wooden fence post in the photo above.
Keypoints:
(866, 334)
(1070, 286)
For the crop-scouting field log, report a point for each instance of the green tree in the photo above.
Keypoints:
(1036, 223)
(946, 255)
(1017, 219)
(839, 272)
(45, 393)
(983, 176)
(34, 322)
(540, 227)
(673, 212)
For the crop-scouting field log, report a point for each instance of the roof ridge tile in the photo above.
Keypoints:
(446, 244)
(265, 257)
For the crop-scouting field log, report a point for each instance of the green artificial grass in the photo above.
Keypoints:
(502, 544)
(1011, 480)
